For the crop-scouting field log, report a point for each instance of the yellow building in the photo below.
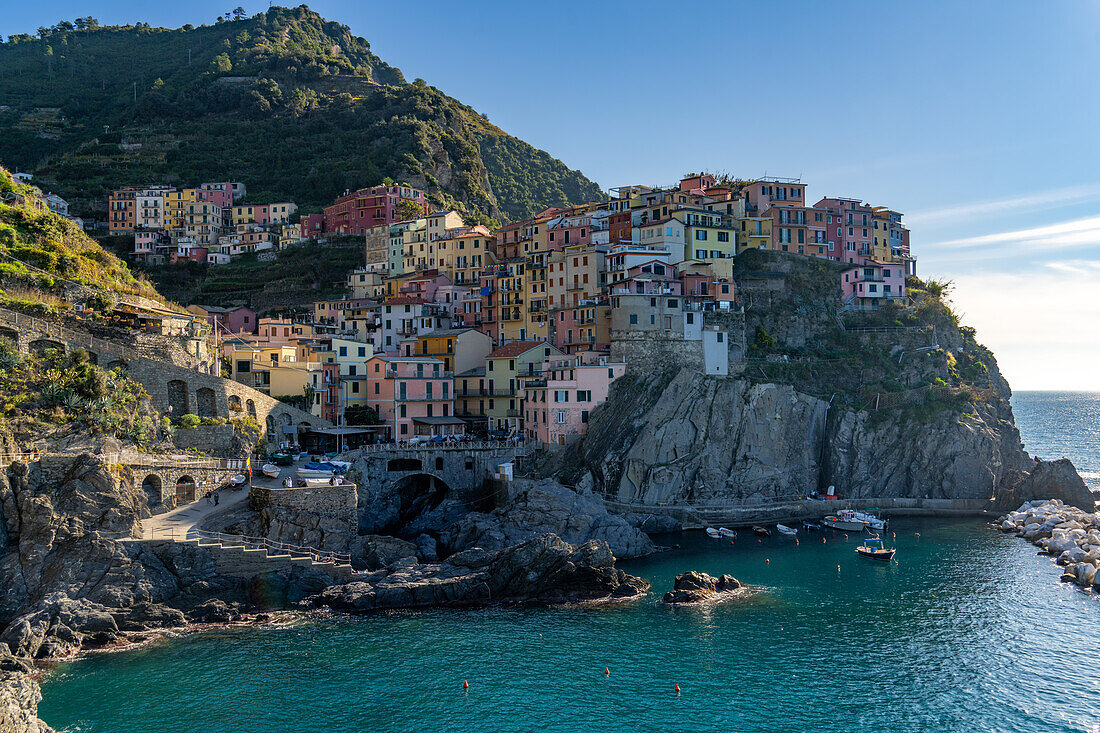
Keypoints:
(709, 235)
(462, 253)
(536, 297)
(756, 232)
(175, 206)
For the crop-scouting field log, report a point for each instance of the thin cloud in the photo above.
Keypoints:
(1073, 233)
(1055, 197)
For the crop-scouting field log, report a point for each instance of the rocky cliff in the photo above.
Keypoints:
(900, 403)
(696, 440)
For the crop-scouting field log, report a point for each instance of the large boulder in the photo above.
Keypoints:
(19, 697)
(546, 506)
(379, 551)
(696, 587)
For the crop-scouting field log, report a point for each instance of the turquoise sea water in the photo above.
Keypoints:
(969, 631)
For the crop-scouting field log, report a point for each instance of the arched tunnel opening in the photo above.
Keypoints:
(419, 493)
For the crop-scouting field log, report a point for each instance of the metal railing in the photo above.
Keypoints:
(270, 546)
(427, 445)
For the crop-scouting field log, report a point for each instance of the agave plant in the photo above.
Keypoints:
(74, 402)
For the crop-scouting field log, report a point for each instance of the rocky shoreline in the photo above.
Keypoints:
(1069, 534)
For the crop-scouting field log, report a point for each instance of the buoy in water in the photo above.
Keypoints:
(731, 542)
(465, 685)
(759, 542)
(607, 671)
(838, 568)
(796, 542)
(767, 560)
(677, 689)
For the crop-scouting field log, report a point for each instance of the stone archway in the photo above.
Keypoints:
(9, 333)
(42, 345)
(118, 364)
(439, 463)
(206, 403)
(234, 403)
(251, 405)
(418, 494)
(178, 402)
(285, 418)
(185, 490)
(92, 357)
(270, 426)
(153, 488)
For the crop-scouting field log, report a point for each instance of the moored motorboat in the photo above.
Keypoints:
(270, 470)
(761, 531)
(873, 548)
(238, 481)
(727, 533)
(713, 533)
(784, 529)
(846, 520)
(810, 526)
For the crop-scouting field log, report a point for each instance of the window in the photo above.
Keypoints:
(355, 387)
(343, 351)
(351, 370)
(584, 395)
(561, 417)
(673, 303)
(376, 388)
(701, 235)
(700, 254)
(584, 416)
(721, 337)
(561, 395)
(633, 319)
(723, 236)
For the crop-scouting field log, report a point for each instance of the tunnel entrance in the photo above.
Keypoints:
(419, 493)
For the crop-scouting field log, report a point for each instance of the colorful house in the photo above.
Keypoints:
(414, 395)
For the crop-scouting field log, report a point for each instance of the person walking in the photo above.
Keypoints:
(217, 497)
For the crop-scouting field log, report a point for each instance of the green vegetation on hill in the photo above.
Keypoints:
(52, 395)
(913, 353)
(296, 277)
(43, 256)
(295, 106)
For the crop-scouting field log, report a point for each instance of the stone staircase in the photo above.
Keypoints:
(246, 557)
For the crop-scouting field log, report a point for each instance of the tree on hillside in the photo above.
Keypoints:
(408, 210)
(238, 13)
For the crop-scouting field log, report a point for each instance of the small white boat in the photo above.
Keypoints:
(727, 533)
(784, 529)
(238, 481)
(320, 481)
(713, 533)
(846, 520)
(270, 470)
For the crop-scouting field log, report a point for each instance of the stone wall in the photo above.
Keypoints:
(335, 503)
(654, 354)
(216, 440)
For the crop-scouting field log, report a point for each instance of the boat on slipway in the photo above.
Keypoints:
(784, 529)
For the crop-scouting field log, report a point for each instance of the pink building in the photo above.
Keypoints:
(313, 225)
(870, 283)
(413, 395)
(223, 194)
(557, 405)
(849, 227)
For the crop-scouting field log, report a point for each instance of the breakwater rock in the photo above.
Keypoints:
(1070, 534)
(695, 587)
(19, 697)
(544, 569)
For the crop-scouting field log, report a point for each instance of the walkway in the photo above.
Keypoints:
(178, 522)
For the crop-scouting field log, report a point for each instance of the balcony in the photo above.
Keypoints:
(392, 374)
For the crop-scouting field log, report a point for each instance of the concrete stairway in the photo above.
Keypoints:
(236, 560)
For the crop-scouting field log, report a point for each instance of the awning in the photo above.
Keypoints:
(439, 421)
(290, 430)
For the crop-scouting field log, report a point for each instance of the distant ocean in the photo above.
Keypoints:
(1062, 425)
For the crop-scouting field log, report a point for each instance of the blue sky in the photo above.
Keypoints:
(978, 120)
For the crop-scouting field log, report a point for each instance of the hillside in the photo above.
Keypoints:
(294, 105)
(46, 260)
